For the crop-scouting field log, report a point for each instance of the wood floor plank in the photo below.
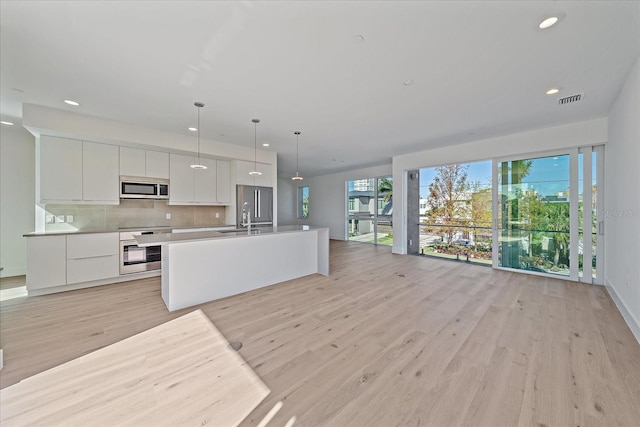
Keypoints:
(384, 340)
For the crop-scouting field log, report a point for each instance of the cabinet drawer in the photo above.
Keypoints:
(87, 269)
(92, 245)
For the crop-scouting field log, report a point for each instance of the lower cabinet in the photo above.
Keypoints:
(46, 261)
(88, 269)
(92, 257)
(69, 259)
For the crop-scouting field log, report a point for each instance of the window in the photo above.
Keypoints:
(303, 202)
(455, 212)
(550, 214)
(370, 210)
(540, 214)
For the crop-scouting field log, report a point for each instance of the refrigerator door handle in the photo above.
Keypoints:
(259, 205)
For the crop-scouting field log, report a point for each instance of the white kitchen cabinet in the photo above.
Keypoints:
(223, 184)
(144, 163)
(60, 162)
(73, 171)
(92, 257)
(100, 177)
(92, 245)
(132, 161)
(205, 187)
(156, 164)
(46, 261)
(190, 186)
(181, 179)
(242, 174)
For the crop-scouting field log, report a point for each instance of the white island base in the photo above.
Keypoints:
(202, 270)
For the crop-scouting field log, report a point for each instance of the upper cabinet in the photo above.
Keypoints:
(72, 171)
(242, 174)
(60, 165)
(146, 163)
(157, 164)
(223, 181)
(132, 161)
(100, 173)
(198, 186)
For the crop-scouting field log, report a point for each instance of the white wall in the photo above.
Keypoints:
(591, 132)
(286, 201)
(328, 195)
(622, 202)
(17, 187)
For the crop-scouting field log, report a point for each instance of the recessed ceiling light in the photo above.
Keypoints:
(265, 145)
(6, 123)
(552, 91)
(193, 129)
(548, 22)
(408, 82)
(358, 38)
(70, 102)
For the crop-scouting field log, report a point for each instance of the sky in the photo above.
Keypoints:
(547, 175)
(477, 172)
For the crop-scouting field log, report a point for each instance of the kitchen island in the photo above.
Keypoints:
(203, 266)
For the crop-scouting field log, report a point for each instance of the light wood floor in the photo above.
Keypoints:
(385, 340)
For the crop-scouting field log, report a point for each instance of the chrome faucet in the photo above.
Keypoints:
(246, 216)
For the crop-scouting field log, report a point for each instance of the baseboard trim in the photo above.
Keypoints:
(83, 285)
(631, 321)
(13, 271)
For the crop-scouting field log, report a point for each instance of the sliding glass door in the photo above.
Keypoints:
(590, 218)
(548, 214)
(534, 207)
(370, 209)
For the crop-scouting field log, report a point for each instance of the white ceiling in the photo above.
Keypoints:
(480, 69)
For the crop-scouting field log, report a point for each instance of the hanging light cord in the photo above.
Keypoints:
(297, 177)
(198, 133)
(255, 148)
(198, 165)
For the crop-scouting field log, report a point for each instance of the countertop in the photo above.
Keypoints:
(158, 239)
(116, 230)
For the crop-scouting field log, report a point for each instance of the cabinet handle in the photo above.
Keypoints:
(90, 257)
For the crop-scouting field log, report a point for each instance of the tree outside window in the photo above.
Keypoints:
(303, 202)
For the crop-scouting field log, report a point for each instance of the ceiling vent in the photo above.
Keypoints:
(569, 99)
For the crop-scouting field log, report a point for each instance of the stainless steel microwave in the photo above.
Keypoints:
(134, 187)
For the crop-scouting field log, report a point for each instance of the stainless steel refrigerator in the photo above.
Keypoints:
(255, 201)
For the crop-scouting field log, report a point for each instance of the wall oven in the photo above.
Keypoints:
(133, 258)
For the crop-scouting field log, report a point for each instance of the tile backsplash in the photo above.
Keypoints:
(134, 213)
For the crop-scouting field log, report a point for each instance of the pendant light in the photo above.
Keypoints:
(297, 177)
(255, 170)
(198, 164)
